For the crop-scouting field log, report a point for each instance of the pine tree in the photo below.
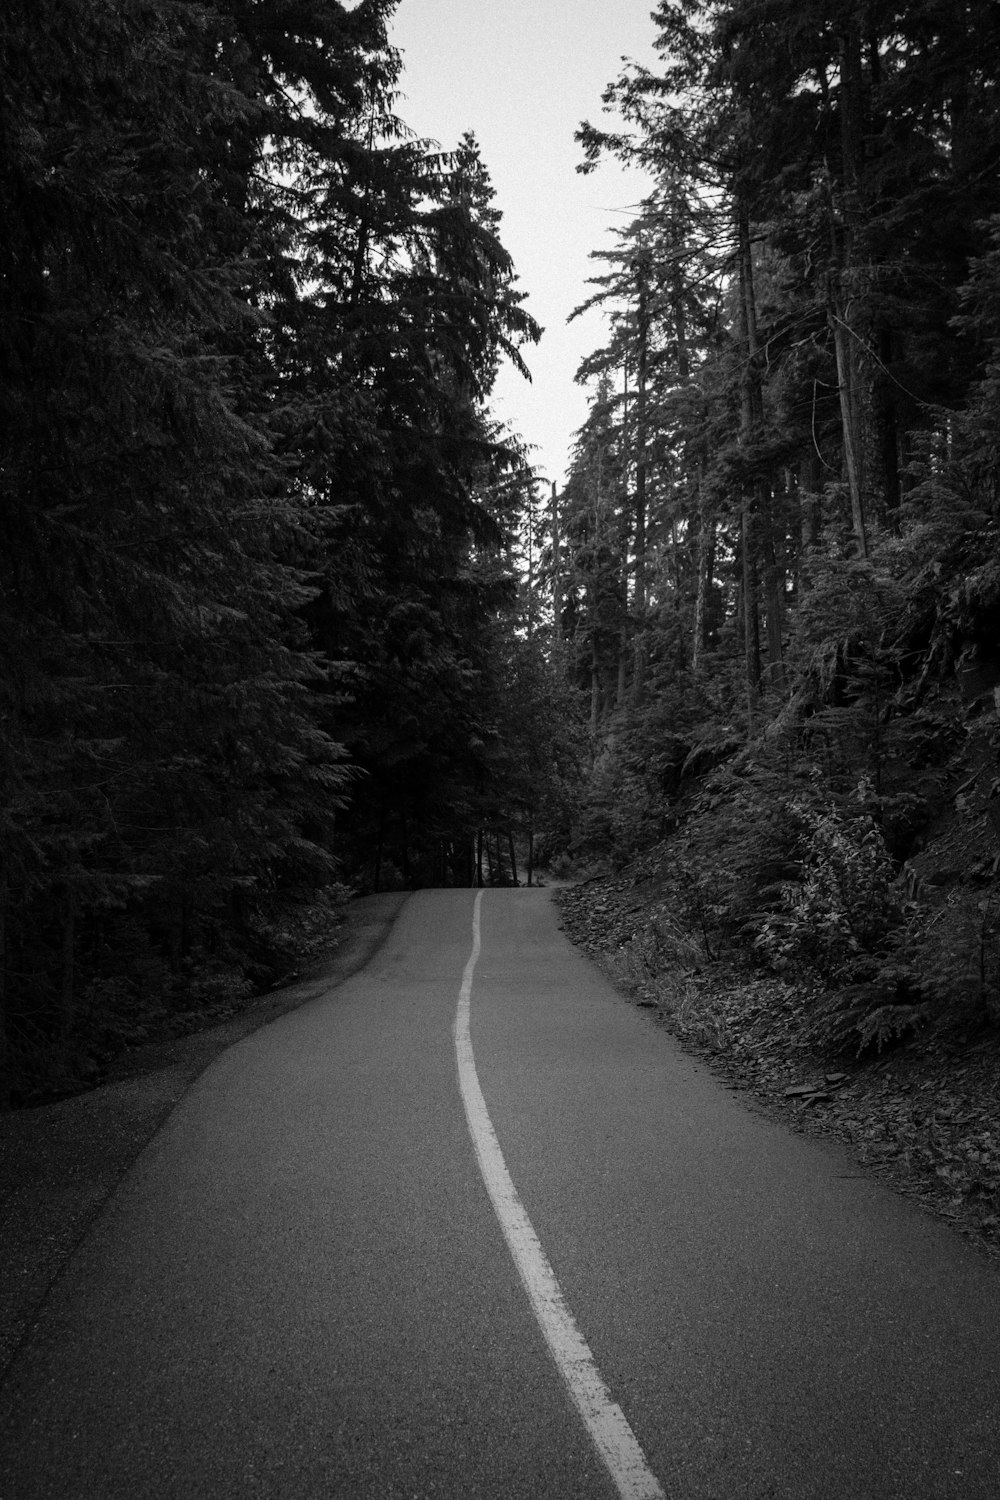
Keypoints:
(163, 770)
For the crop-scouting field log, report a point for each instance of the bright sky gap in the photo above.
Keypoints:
(522, 76)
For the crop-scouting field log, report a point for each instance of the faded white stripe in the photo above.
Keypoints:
(602, 1416)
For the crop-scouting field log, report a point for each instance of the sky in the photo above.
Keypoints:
(522, 74)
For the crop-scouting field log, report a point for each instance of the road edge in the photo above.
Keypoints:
(60, 1164)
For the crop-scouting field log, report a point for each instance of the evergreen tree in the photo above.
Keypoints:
(816, 188)
(249, 326)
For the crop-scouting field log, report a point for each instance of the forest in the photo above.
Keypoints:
(288, 614)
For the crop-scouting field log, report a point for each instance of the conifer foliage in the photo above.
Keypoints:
(248, 327)
(782, 512)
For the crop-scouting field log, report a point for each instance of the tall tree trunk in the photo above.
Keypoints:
(641, 443)
(850, 419)
(624, 537)
(680, 317)
(557, 583)
(751, 616)
(530, 614)
(888, 431)
(595, 697)
(774, 587)
(757, 521)
(843, 302)
(810, 481)
(706, 568)
(513, 857)
(867, 418)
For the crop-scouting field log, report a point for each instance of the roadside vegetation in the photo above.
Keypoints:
(286, 615)
(777, 575)
(256, 579)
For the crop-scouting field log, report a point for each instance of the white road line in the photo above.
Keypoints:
(602, 1416)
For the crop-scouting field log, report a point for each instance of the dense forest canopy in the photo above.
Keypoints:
(255, 564)
(778, 563)
(286, 611)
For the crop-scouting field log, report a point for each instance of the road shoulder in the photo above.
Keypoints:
(59, 1163)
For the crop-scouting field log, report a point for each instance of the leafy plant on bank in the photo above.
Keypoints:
(955, 953)
(833, 919)
(839, 925)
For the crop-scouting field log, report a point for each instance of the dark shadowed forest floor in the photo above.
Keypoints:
(922, 1116)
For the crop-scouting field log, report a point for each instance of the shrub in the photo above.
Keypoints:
(836, 917)
(955, 952)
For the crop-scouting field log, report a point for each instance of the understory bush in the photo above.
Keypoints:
(954, 954)
(841, 929)
(834, 919)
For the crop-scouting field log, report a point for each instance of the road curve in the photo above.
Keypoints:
(303, 1290)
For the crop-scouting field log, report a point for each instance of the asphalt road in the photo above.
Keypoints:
(302, 1288)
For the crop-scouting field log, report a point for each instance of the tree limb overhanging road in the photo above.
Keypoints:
(303, 1288)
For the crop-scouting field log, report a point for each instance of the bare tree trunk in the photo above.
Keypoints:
(810, 479)
(641, 435)
(754, 511)
(624, 538)
(751, 618)
(866, 418)
(595, 698)
(888, 432)
(774, 582)
(530, 517)
(850, 424)
(621, 675)
(706, 569)
(557, 585)
(513, 858)
(680, 322)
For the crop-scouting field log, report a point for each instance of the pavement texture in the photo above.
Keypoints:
(59, 1163)
(301, 1289)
